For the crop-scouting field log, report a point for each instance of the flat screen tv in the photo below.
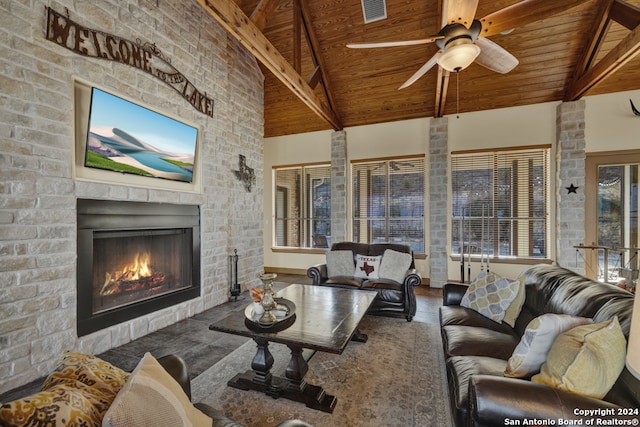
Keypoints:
(127, 138)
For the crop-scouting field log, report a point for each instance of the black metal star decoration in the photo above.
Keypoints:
(245, 174)
(571, 189)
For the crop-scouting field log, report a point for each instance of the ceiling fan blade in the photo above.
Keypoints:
(394, 44)
(523, 13)
(422, 71)
(495, 57)
(460, 11)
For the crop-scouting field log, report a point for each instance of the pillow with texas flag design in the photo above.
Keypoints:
(367, 267)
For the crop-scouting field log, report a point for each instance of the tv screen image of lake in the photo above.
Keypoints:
(127, 138)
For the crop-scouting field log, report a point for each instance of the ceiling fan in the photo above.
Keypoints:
(463, 38)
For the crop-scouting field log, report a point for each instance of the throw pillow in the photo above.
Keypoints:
(394, 265)
(59, 406)
(367, 267)
(513, 311)
(586, 360)
(490, 295)
(78, 392)
(339, 263)
(83, 370)
(151, 397)
(538, 337)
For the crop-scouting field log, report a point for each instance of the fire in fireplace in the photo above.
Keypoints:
(134, 258)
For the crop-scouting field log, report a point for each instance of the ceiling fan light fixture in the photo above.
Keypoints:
(457, 58)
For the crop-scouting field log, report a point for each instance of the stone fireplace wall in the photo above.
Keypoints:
(38, 190)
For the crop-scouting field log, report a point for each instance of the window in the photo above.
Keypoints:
(500, 203)
(388, 202)
(303, 206)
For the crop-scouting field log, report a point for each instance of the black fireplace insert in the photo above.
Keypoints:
(134, 258)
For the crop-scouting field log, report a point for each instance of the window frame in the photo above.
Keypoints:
(493, 216)
(304, 222)
(388, 217)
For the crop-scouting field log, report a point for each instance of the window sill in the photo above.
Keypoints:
(294, 250)
(510, 260)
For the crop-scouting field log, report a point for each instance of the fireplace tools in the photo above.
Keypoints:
(234, 287)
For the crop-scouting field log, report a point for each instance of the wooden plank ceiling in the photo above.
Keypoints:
(314, 82)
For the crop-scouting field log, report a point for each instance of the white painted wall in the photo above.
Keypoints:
(610, 123)
(506, 127)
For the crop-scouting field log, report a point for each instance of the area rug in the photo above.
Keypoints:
(396, 378)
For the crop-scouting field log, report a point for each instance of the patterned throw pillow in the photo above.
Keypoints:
(394, 265)
(490, 295)
(339, 263)
(77, 393)
(151, 397)
(367, 267)
(538, 337)
(586, 360)
(59, 406)
(81, 370)
(513, 311)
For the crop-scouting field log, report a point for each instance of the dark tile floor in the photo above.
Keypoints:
(202, 348)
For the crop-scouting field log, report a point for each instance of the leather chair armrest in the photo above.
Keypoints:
(412, 278)
(493, 401)
(318, 273)
(177, 368)
(218, 419)
(452, 293)
(294, 423)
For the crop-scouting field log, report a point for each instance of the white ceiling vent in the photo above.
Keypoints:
(374, 10)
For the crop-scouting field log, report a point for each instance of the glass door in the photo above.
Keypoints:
(617, 221)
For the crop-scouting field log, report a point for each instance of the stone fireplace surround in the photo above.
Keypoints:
(39, 186)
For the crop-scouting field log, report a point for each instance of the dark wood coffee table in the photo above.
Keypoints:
(326, 319)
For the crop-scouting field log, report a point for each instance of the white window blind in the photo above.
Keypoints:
(500, 202)
(302, 206)
(388, 202)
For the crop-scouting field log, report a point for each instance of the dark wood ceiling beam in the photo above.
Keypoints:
(617, 57)
(318, 60)
(315, 77)
(625, 14)
(297, 37)
(442, 80)
(233, 19)
(442, 87)
(593, 46)
(262, 12)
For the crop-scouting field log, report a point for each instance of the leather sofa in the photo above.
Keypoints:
(477, 349)
(394, 298)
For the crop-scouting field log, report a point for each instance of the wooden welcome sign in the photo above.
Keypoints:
(144, 56)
